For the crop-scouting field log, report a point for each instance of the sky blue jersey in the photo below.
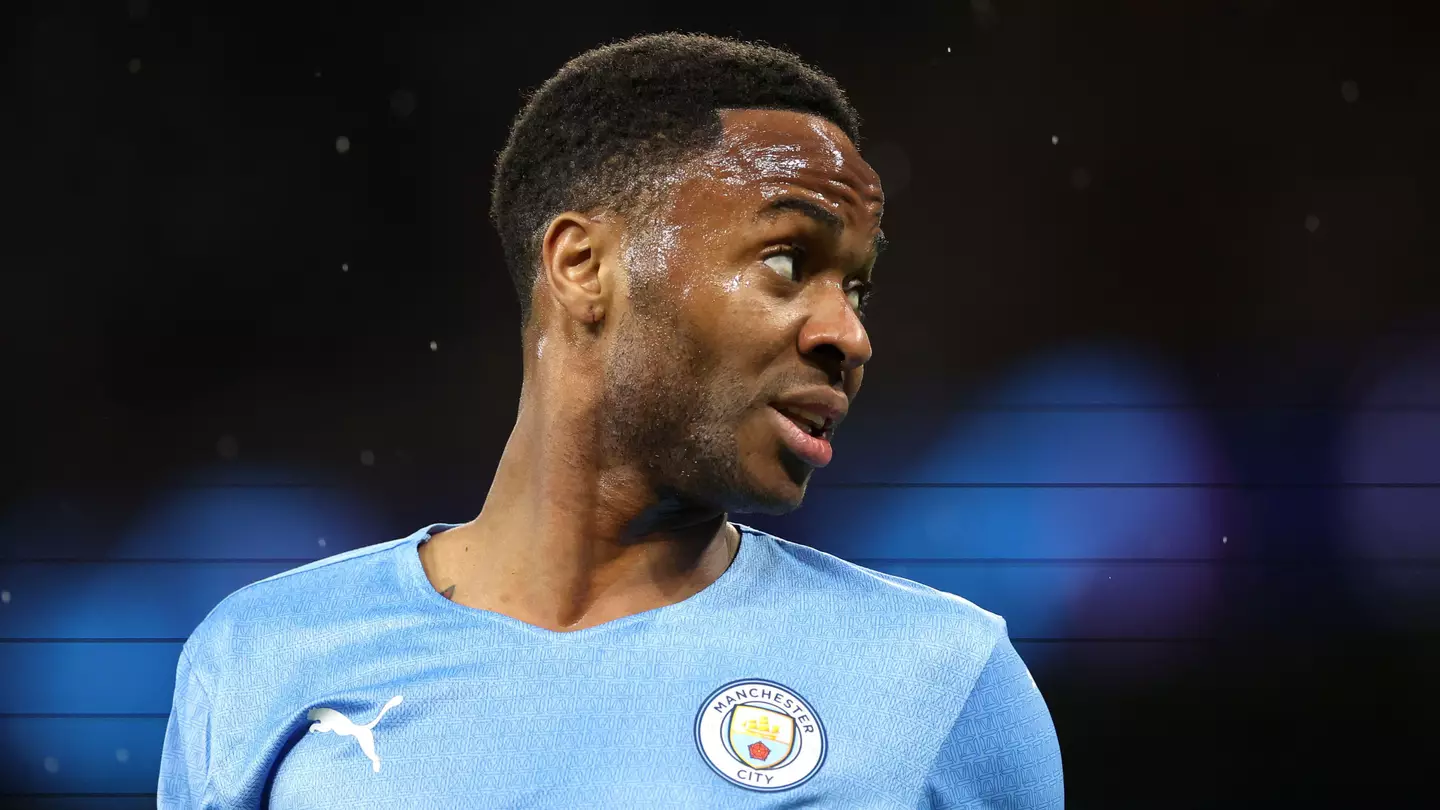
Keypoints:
(796, 679)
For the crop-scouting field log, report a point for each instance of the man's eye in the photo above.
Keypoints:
(782, 263)
(859, 296)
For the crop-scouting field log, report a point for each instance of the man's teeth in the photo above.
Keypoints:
(812, 420)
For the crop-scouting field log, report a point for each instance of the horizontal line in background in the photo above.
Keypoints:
(1290, 560)
(1187, 405)
(1259, 561)
(92, 640)
(378, 478)
(1121, 407)
(393, 478)
(158, 560)
(83, 715)
(1110, 485)
(1129, 640)
(77, 795)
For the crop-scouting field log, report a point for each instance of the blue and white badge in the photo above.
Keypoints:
(760, 735)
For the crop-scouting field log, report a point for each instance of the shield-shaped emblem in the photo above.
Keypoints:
(761, 737)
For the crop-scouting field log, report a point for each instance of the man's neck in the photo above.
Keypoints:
(563, 544)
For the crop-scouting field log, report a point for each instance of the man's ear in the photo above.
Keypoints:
(574, 270)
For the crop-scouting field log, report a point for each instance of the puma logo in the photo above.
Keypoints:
(331, 720)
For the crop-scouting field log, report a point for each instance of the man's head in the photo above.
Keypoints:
(692, 217)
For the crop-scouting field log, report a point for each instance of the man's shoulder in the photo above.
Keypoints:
(300, 599)
(927, 645)
(862, 591)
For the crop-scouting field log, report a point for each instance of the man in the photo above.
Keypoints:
(692, 231)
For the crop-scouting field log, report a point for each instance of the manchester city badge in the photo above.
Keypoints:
(760, 735)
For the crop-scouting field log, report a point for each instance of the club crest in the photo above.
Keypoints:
(760, 735)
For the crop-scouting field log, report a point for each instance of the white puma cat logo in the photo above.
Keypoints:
(331, 720)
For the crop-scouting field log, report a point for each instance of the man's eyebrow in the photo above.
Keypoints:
(822, 215)
(826, 218)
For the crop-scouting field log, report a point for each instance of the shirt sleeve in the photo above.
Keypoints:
(185, 758)
(1002, 752)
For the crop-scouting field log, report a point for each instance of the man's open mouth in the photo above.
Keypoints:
(813, 423)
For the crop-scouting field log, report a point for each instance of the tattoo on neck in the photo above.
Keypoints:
(449, 593)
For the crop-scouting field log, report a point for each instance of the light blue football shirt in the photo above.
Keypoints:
(796, 679)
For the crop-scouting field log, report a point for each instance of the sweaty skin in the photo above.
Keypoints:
(653, 358)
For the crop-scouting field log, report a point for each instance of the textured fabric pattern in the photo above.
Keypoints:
(1002, 751)
(185, 764)
(350, 682)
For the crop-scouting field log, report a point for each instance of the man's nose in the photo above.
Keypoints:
(835, 324)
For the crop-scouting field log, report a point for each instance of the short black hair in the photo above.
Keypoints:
(598, 133)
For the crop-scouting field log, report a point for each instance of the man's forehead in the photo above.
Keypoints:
(783, 143)
(774, 153)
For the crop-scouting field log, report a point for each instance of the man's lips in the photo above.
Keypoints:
(818, 409)
(813, 450)
(807, 419)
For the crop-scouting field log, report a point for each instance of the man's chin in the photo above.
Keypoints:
(774, 497)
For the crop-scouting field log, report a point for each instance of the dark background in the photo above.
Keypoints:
(1157, 369)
